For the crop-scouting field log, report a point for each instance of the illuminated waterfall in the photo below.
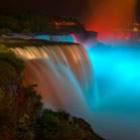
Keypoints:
(99, 83)
(63, 75)
(117, 74)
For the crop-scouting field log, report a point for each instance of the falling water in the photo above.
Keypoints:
(117, 74)
(99, 83)
(63, 76)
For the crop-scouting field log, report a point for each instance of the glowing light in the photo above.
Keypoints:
(56, 38)
(107, 16)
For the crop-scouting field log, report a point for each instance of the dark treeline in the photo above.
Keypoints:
(36, 24)
(22, 116)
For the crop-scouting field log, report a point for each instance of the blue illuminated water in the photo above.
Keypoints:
(55, 38)
(117, 76)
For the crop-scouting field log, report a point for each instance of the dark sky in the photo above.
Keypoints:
(51, 7)
(71, 8)
(138, 10)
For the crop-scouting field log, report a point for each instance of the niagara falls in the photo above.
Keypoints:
(70, 70)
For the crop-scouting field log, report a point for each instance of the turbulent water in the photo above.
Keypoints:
(99, 83)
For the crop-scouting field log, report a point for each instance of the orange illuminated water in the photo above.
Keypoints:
(60, 71)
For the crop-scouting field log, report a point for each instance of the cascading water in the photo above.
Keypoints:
(63, 76)
(99, 83)
(117, 74)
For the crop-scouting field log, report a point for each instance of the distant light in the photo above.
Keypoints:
(135, 29)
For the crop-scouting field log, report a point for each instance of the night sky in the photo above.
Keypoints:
(69, 8)
(138, 10)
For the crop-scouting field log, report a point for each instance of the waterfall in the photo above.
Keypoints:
(97, 82)
(63, 76)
